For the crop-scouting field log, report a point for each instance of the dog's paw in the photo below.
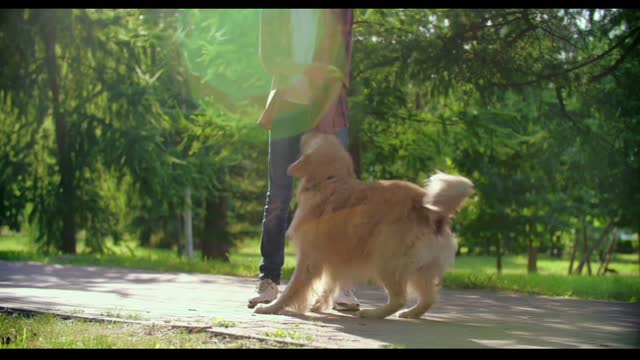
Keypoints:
(319, 307)
(264, 309)
(408, 314)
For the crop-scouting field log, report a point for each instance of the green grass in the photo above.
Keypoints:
(624, 264)
(469, 272)
(244, 260)
(20, 331)
(121, 313)
(223, 323)
(479, 272)
(288, 335)
(612, 288)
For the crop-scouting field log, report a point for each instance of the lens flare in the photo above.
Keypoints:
(292, 61)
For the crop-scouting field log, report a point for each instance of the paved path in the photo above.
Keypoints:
(461, 319)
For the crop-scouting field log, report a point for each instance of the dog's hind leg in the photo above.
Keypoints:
(298, 292)
(325, 301)
(397, 291)
(424, 282)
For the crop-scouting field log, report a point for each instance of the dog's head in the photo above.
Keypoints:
(322, 156)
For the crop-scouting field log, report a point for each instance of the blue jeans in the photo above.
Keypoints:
(283, 151)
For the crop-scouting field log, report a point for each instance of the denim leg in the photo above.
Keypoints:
(343, 136)
(282, 153)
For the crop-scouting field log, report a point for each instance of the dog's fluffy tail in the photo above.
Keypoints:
(445, 193)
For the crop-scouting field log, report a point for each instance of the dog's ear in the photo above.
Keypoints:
(437, 218)
(307, 139)
(300, 166)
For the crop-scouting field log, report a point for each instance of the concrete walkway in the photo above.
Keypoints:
(461, 319)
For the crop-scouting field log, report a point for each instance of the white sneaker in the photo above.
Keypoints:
(346, 301)
(267, 291)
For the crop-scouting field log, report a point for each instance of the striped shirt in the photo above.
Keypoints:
(337, 116)
(333, 47)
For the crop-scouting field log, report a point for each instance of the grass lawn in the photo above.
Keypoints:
(45, 331)
(469, 272)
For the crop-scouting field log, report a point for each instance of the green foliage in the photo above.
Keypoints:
(109, 116)
(95, 101)
(535, 106)
(221, 50)
(124, 118)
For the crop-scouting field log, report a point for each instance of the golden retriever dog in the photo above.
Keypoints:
(346, 231)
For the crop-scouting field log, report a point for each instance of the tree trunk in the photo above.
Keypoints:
(638, 237)
(506, 245)
(418, 102)
(532, 259)
(585, 245)
(586, 249)
(602, 270)
(49, 32)
(215, 238)
(499, 256)
(145, 236)
(587, 256)
(574, 250)
(188, 226)
(179, 233)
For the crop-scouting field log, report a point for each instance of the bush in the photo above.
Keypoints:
(624, 247)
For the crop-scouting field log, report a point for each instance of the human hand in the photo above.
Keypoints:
(319, 73)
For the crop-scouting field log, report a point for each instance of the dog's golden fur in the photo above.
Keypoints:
(346, 230)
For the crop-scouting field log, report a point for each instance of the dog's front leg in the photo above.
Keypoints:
(272, 308)
(297, 293)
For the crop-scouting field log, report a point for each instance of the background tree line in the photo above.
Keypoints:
(116, 121)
